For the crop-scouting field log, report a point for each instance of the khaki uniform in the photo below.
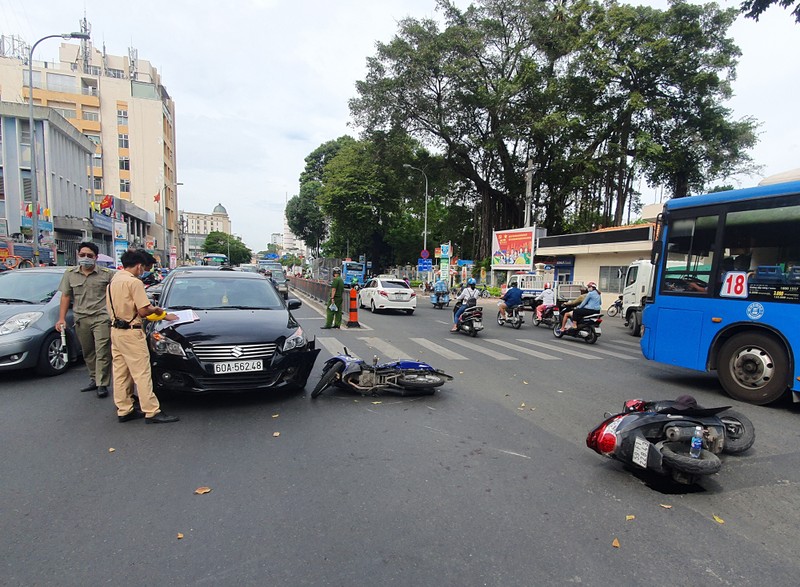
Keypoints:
(92, 324)
(129, 347)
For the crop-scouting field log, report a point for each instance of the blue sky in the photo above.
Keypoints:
(259, 84)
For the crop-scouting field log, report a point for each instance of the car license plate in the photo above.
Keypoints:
(597, 330)
(238, 366)
(640, 449)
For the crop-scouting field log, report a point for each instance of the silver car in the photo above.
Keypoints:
(29, 305)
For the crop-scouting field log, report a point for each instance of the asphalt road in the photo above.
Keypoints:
(465, 487)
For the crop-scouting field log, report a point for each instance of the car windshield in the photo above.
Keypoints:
(210, 293)
(34, 287)
(394, 285)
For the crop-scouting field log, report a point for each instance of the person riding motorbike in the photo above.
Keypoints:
(468, 294)
(548, 299)
(591, 304)
(512, 297)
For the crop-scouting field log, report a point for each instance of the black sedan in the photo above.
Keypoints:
(29, 301)
(234, 333)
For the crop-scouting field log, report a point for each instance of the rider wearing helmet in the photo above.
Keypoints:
(468, 297)
(591, 304)
(512, 297)
(548, 299)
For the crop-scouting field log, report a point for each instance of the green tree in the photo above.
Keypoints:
(754, 8)
(226, 244)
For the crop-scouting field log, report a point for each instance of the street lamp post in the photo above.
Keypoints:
(425, 227)
(167, 241)
(34, 186)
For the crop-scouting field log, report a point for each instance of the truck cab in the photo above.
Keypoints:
(638, 287)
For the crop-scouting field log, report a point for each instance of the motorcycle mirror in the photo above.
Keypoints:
(607, 415)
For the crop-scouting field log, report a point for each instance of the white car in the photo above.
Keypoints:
(387, 294)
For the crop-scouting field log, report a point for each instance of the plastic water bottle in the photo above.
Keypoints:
(697, 442)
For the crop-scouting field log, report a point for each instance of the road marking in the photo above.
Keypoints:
(333, 346)
(629, 343)
(389, 351)
(439, 349)
(605, 352)
(559, 348)
(516, 347)
(480, 349)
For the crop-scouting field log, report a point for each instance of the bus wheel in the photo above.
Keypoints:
(753, 368)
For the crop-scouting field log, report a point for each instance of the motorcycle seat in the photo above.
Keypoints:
(697, 412)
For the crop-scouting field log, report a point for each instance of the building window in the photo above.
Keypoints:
(94, 138)
(66, 112)
(125, 163)
(37, 78)
(97, 160)
(117, 73)
(123, 141)
(92, 69)
(87, 115)
(98, 183)
(124, 185)
(122, 117)
(611, 278)
(57, 82)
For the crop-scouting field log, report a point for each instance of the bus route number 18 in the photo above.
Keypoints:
(734, 285)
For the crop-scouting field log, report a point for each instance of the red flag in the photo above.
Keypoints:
(157, 197)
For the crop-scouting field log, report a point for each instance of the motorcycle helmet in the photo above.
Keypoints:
(471, 281)
(592, 284)
(547, 286)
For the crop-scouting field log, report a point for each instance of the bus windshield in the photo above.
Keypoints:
(727, 285)
(214, 259)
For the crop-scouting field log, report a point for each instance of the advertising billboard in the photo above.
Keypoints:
(513, 249)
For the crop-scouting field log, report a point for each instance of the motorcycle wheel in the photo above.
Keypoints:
(536, 321)
(473, 333)
(557, 331)
(420, 380)
(740, 434)
(592, 338)
(500, 321)
(327, 379)
(517, 324)
(612, 310)
(676, 456)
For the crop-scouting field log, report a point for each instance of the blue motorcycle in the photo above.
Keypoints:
(403, 375)
(440, 299)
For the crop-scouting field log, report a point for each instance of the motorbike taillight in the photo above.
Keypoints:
(599, 320)
(603, 439)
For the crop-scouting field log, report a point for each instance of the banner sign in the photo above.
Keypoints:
(513, 249)
(120, 231)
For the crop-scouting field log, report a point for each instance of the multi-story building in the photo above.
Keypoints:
(120, 104)
(195, 227)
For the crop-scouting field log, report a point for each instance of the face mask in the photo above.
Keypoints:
(86, 262)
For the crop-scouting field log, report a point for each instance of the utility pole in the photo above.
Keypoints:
(528, 191)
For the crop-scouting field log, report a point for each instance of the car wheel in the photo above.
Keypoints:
(51, 361)
(409, 312)
(360, 302)
(372, 307)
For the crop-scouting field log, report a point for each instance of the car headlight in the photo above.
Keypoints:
(19, 322)
(164, 345)
(296, 340)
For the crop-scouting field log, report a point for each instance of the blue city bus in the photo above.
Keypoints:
(726, 289)
(214, 259)
(353, 269)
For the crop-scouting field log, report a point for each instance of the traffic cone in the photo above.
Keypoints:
(352, 321)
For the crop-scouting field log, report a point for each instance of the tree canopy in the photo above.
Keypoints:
(226, 244)
(755, 8)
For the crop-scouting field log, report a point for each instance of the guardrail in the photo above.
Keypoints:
(315, 288)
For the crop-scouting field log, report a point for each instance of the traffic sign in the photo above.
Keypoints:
(424, 254)
(424, 265)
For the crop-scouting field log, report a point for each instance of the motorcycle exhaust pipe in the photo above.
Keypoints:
(679, 433)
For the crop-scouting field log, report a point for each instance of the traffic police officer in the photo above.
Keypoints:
(127, 305)
(85, 286)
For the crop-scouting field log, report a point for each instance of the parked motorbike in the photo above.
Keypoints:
(470, 321)
(513, 317)
(403, 375)
(551, 316)
(440, 299)
(657, 436)
(615, 308)
(587, 328)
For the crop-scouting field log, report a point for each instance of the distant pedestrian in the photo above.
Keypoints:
(333, 314)
(85, 287)
(127, 304)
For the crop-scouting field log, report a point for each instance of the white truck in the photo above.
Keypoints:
(532, 285)
(638, 286)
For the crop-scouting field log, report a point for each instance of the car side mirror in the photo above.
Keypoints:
(294, 303)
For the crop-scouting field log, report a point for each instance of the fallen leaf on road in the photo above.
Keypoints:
(665, 506)
(525, 382)
(522, 405)
(376, 403)
(202, 490)
(615, 544)
(276, 434)
(275, 415)
(629, 518)
(112, 450)
(718, 520)
(532, 409)
(180, 535)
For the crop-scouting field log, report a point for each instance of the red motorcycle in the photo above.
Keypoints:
(658, 436)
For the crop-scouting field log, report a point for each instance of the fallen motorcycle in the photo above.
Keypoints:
(658, 436)
(403, 375)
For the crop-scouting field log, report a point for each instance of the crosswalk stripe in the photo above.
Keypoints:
(605, 352)
(628, 343)
(480, 349)
(559, 348)
(333, 346)
(389, 351)
(516, 347)
(439, 349)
